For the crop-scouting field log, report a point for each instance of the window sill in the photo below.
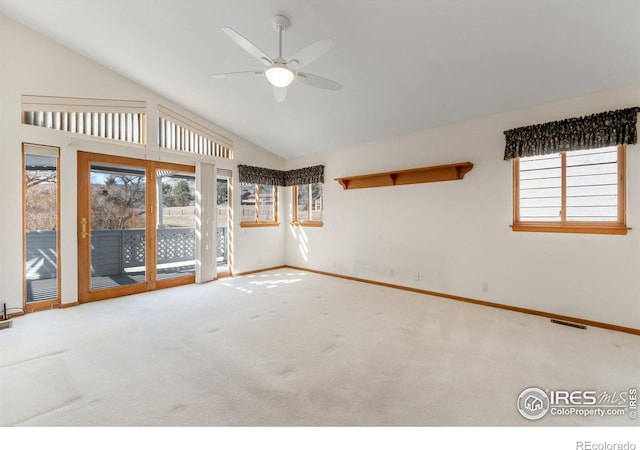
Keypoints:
(308, 224)
(258, 224)
(585, 228)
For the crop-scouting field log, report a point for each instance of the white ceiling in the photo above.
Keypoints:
(405, 65)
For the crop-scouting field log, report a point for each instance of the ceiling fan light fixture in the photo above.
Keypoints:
(281, 72)
(279, 75)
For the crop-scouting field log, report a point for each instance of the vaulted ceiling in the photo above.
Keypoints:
(405, 65)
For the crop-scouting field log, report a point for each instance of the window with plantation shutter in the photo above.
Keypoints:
(540, 188)
(573, 191)
(176, 132)
(120, 120)
(592, 185)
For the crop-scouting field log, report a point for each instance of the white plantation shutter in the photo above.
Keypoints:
(541, 188)
(592, 185)
(122, 120)
(177, 132)
(575, 186)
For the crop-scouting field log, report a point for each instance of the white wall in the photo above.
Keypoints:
(259, 247)
(33, 64)
(456, 234)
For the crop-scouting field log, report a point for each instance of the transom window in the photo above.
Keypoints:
(120, 120)
(309, 205)
(581, 191)
(258, 205)
(176, 132)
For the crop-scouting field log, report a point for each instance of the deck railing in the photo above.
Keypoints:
(113, 251)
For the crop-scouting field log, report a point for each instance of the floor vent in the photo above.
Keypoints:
(569, 324)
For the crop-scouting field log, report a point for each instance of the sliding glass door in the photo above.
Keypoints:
(117, 225)
(175, 224)
(131, 235)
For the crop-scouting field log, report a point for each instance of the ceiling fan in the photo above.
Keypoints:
(281, 72)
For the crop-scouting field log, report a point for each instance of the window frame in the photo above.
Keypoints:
(294, 203)
(53, 301)
(258, 222)
(564, 226)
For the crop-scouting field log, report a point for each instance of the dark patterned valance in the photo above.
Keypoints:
(306, 175)
(595, 131)
(261, 175)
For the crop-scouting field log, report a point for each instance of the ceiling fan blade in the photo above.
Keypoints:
(310, 53)
(246, 74)
(248, 46)
(319, 82)
(280, 93)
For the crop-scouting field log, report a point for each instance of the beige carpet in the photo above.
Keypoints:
(291, 348)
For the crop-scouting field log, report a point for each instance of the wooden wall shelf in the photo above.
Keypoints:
(447, 172)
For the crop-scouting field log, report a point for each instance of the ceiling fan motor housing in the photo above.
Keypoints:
(280, 22)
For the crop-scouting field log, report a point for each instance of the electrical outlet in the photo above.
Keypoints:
(417, 276)
(485, 286)
(392, 273)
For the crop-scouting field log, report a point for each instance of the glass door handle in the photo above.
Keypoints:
(83, 228)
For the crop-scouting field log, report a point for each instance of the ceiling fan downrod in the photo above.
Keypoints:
(281, 23)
